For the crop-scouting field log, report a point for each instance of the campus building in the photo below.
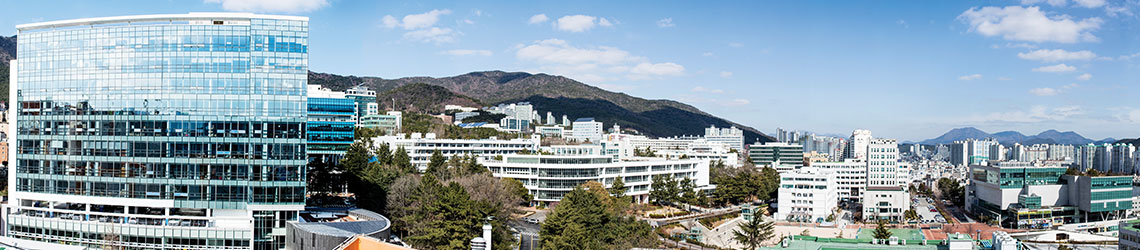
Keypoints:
(550, 177)
(731, 136)
(181, 131)
(784, 157)
(850, 177)
(420, 147)
(586, 129)
(389, 123)
(1031, 196)
(1129, 235)
(332, 120)
(364, 99)
(807, 195)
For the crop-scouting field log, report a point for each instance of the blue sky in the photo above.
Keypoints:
(904, 69)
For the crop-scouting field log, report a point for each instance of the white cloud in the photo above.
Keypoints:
(1030, 24)
(1056, 55)
(707, 54)
(725, 74)
(735, 44)
(1002, 78)
(1044, 91)
(658, 69)
(1034, 115)
(389, 21)
(599, 63)
(1084, 77)
(421, 27)
(1132, 115)
(665, 23)
(537, 19)
(970, 77)
(431, 35)
(1129, 57)
(1089, 3)
(1059, 68)
(737, 102)
(580, 23)
(466, 52)
(604, 22)
(903, 23)
(707, 90)
(283, 6)
(1055, 3)
(560, 52)
(423, 20)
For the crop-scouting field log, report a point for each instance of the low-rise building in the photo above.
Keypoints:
(1129, 236)
(550, 177)
(420, 147)
(885, 203)
(1035, 195)
(807, 195)
(587, 129)
(328, 229)
(389, 123)
(784, 157)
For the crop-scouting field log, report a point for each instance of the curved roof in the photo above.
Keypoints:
(155, 18)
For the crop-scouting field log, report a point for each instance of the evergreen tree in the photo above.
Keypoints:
(881, 231)
(518, 189)
(587, 219)
(617, 189)
(753, 233)
(403, 161)
(437, 165)
(384, 154)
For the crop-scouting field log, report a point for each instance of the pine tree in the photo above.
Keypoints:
(753, 233)
(617, 189)
(881, 231)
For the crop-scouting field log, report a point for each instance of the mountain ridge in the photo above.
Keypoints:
(1051, 136)
(561, 96)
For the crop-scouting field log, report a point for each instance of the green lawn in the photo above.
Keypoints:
(903, 234)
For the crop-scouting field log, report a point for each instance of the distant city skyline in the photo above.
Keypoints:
(905, 70)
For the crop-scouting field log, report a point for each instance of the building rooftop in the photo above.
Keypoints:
(586, 119)
(192, 16)
(344, 224)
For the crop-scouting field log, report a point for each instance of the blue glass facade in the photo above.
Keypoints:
(161, 131)
(330, 127)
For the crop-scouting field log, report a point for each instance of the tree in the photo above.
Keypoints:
(437, 165)
(403, 161)
(881, 231)
(1093, 172)
(1072, 171)
(1064, 247)
(663, 190)
(910, 214)
(384, 154)
(588, 218)
(753, 233)
(516, 187)
(617, 189)
(452, 220)
(323, 177)
(805, 233)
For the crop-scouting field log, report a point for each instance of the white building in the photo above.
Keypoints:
(586, 129)
(882, 164)
(550, 177)
(885, 203)
(807, 195)
(850, 177)
(857, 146)
(731, 136)
(421, 147)
(549, 131)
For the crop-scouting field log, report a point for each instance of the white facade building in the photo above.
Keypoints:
(586, 129)
(731, 136)
(807, 195)
(885, 203)
(550, 177)
(857, 146)
(850, 177)
(421, 147)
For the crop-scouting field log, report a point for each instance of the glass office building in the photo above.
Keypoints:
(182, 131)
(332, 123)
